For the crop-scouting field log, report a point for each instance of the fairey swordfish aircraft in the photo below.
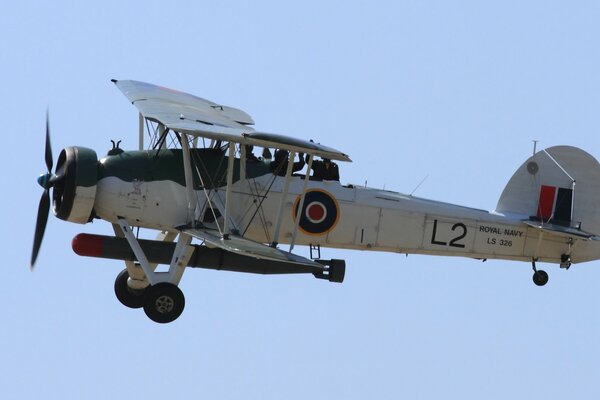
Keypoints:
(198, 179)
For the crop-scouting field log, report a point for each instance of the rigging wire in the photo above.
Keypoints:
(259, 207)
(198, 160)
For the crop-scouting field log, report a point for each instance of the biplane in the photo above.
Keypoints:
(214, 204)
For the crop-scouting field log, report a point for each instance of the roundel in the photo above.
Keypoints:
(319, 214)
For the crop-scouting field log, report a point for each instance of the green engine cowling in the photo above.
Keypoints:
(73, 197)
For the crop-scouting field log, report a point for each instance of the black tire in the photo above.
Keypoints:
(127, 296)
(540, 277)
(163, 302)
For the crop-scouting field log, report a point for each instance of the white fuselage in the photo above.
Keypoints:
(368, 219)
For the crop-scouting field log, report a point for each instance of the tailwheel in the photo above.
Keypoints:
(129, 297)
(540, 277)
(163, 302)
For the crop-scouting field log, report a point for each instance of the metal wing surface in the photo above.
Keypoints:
(290, 143)
(245, 247)
(186, 113)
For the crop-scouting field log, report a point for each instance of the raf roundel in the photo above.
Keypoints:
(320, 212)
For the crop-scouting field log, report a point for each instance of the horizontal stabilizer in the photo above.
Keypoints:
(559, 230)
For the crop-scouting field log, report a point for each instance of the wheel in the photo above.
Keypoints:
(127, 296)
(163, 302)
(540, 277)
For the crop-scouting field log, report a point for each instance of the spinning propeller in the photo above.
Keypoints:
(46, 181)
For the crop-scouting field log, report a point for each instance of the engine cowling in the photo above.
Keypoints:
(73, 197)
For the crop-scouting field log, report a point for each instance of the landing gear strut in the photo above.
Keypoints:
(540, 277)
(162, 300)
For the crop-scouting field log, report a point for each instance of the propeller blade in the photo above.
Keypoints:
(47, 181)
(40, 225)
(49, 161)
(57, 176)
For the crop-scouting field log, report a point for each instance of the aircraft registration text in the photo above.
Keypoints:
(473, 236)
(499, 239)
(454, 235)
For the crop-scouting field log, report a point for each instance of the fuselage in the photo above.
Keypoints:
(242, 210)
(148, 189)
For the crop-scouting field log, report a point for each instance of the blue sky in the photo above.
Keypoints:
(456, 91)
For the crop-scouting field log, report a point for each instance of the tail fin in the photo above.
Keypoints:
(560, 185)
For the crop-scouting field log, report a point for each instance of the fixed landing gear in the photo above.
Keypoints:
(129, 297)
(162, 303)
(540, 277)
(162, 300)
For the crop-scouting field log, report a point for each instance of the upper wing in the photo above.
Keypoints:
(186, 113)
(245, 247)
(289, 143)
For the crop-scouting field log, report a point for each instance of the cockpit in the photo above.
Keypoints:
(321, 169)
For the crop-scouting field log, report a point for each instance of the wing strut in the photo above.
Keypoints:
(242, 162)
(286, 186)
(189, 181)
(209, 201)
(229, 189)
(141, 132)
(301, 202)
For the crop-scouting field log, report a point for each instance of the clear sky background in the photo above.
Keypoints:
(456, 90)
